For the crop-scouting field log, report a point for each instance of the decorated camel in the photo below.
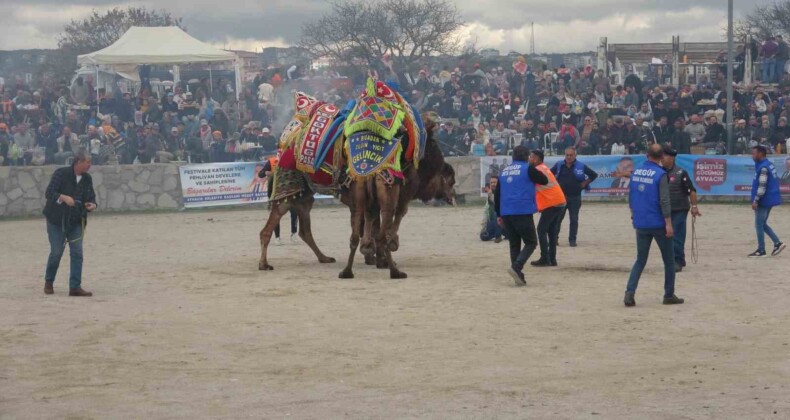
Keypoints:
(313, 159)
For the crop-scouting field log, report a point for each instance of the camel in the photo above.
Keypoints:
(380, 198)
(435, 184)
(425, 184)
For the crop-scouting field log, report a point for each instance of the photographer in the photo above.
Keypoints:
(70, 197)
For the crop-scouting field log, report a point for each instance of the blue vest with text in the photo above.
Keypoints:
(643, 196)
(773, 196)
(516, 191)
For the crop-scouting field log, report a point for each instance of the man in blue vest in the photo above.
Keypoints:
(651, 213)
(765, 196)
(573, 177)
(515, 203)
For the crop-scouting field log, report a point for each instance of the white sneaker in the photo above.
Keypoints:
(278, 242)
(294, 238)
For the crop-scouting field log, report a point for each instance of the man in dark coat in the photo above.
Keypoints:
(70, 197)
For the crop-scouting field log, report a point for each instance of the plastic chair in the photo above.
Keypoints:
(548, 143)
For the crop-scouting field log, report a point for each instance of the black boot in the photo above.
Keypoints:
(542, 262)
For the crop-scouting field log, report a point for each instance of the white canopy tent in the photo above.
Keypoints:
(159, 45)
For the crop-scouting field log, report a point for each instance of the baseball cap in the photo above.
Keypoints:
(203, 122)
(265, 130)
(670, 151)
(174, 130)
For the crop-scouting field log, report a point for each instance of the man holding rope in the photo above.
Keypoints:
(681, 190)
(70, 197)
(651, 214)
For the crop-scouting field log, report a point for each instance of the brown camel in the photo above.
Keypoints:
(378, 206)
(298, 194)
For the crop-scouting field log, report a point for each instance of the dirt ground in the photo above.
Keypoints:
(183, 325)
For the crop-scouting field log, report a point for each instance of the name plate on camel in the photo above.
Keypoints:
(317, 131)
(369, 154)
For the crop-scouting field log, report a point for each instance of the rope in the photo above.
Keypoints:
(83, 222)
(694, 243)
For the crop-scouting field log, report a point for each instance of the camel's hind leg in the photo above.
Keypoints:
(388, 200)
(276, 213)
(303, 206)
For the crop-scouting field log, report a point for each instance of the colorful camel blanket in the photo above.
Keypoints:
(319, 131)
(380, 130)
(288, 184)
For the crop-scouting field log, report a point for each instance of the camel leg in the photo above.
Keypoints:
(387, 198)
(276, 213)
(357, 209)
(403, 207)
(366, 204)
(370, 259)
(407, 192)
(305, 231)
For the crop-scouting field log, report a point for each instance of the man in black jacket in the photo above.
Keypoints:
(573, 177)
(515, 204)
(70, 197)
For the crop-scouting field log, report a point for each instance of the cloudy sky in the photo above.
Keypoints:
(560, 26)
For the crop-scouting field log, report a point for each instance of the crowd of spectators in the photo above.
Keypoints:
(490, 112)
(483, 111)
(195, 123)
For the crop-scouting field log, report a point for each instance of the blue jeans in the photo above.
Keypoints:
(779, 70)
(679, 219)
(767, 68)
(492, 230)
(761, 225)
(57, 244)
(644, 238)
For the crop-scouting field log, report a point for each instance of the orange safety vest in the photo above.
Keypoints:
(549, 195)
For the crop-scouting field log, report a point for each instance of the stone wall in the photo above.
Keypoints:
(467, 175)
(118, 188)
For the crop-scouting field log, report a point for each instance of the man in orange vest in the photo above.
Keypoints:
(551, 205)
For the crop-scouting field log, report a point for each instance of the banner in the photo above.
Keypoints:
(222, 184)
(712, 175)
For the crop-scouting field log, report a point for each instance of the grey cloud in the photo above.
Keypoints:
(215, 21)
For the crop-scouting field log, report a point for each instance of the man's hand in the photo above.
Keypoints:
(585, 183)
(754, 205)
(695, 211)
(90, 206)
(500, 222)
(670, 231)
(66, 200)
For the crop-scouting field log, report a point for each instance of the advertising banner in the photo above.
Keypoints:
(712, 175)
(222, 184)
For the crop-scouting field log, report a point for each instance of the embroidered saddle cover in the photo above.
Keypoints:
(380, 130)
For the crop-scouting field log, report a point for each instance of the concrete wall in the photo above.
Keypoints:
(157, 186)
(118, 188)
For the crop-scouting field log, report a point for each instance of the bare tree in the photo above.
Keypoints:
(470, 48)
(408, 30)
(763, 21)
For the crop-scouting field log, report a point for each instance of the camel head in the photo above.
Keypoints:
(431, 121)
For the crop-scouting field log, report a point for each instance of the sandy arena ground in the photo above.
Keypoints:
(183, 325)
